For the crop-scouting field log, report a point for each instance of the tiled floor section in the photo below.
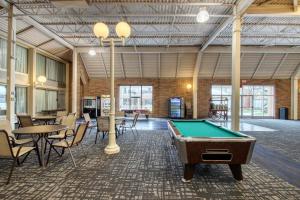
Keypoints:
(146, 168)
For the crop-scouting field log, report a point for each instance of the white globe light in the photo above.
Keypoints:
(92, 52)
(101, 30)
(123, 30)
(202, 16)
(42, 79)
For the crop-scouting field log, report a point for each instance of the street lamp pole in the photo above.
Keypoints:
(101, 31)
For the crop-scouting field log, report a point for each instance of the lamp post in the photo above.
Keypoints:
(101, 31)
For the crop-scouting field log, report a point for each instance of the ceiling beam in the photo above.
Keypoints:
(184, 49)
(24, 30)
(254, 49)
(215, 33)
(258, 65)
(273, 10)
(217, 65)
(279, 65)
(45, 42)
(97, 15)
(241, 6)
(123, 66)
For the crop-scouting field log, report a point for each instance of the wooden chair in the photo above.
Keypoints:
(8, 151)
(25, 120)
(5, 124)
(88, 119)
(65, 144)
(102, 126)
(131, 126)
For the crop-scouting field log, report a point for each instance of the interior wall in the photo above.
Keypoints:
(165, 88)
(282, 93)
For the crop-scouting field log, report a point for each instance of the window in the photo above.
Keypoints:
(3, 100)
(53, 70)
(40, 100)
(46, 100)
(21, 100)
(135, 97)
(52, 100)
(21, 59)
(3, 58)
(255, 101)
(40, 65)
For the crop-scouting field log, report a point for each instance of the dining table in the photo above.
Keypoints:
(46, 119)
(39, 134)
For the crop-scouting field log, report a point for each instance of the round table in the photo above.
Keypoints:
(41, 131)
(45, 119)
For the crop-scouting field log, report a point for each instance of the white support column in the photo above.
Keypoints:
(235, 78)
(74, 81)
(67, 93)
(294, 98)
(195, 85)
(11, 47)
(32, 79)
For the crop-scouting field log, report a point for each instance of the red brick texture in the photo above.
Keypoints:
(165, 88)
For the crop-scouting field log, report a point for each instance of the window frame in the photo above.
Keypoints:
(141, 97)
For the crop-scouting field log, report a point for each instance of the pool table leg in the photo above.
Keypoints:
(236, 170)
(189, 170)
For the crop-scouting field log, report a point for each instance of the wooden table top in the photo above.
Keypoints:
(40, 129)
(48, 117)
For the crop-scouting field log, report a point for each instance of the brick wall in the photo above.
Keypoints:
(282, 93)
(165, 88)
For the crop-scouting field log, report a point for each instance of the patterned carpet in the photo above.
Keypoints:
(146, 168)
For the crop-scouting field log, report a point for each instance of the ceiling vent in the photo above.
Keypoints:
(70, 3)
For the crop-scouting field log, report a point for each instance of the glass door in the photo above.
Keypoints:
(247, 106)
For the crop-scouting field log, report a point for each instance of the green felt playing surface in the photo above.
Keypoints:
(202, 128)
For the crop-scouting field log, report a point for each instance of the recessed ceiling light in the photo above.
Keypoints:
(92, 52)
(202, 16)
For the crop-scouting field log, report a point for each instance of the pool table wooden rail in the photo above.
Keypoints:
(193, 150)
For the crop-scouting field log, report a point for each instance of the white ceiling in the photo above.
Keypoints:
(162, 23)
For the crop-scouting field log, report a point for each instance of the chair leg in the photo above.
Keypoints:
(72, 157)
(11, 170)
(48, 158)
(38, 154)
(25, 157)
(136, 130)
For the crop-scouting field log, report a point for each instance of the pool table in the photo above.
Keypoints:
(201, 141)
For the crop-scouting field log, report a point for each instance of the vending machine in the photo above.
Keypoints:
(105, 105)
(176, 107)
(91, 105)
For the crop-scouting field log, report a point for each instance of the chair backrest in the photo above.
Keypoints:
(87, 117)
(25, 120)
(61, 113)
(5, 146)
(103, 123)
(80, 132)
(136, 116)
(69, 121)
(5, 124)
(120, 113)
